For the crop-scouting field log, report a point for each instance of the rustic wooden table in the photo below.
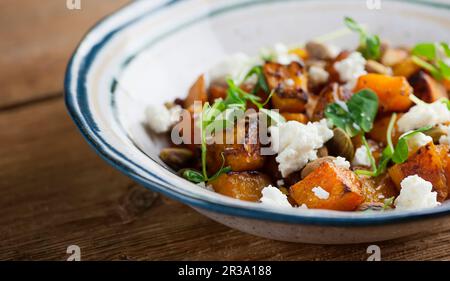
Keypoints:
(55, 191)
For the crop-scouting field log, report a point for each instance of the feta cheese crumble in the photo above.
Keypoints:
(350, 69)
(445, 139)
(416, 193)
(160, 118)
(422, 115)
(297, 143)
(318, 75)
(280, 54)
(280, 183)
(320, 193)
(341, 162)
(274, 197)
(361, 157)
(417, 141)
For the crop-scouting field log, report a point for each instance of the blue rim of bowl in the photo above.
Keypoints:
(78, 98)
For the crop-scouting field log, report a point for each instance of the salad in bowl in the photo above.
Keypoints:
(314, 126)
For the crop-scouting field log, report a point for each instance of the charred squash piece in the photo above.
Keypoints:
(376, 190)
(241, 151)
(241, 185)
(405, 68)
(426, 163)
(393, 92)
(299, 117)
(330, 94)
(196, 93)
(290, 85)
(217, 91)
(426, 88)
(343, 186)
(444, 152)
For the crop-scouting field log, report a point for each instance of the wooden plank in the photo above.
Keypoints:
(38, 38)
(55, 192)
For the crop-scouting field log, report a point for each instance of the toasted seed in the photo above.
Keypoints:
(176, 157)
(341, 144)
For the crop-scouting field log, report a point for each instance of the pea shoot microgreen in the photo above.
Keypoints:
(218, 116)
(369, 45)
(358, 116)
(433, 57)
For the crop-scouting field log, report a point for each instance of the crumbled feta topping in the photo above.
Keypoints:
(351, 68)
(445, 139)
(422, 115)
(297, 143)
(160, 119)
(320, 192)
(274, 197)
(417, 141)
(280, 54)
(280, 183)
(416, 193)
(318, 75)
(235, 66)
(341, 162)
(361, 157)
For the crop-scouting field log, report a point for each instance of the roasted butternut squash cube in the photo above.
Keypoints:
(328, 95)
(299, 117)
(406, 68)
(427, 164)
(342, 185)
(241, 185)
(290, 85)
(240, 149)
(426, 88)
(392, 91)
(444, 152)
(197, 92)
(376, 190)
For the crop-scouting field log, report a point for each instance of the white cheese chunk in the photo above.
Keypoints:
(421, 115)
(320, 192)
(297, 143)
(350, 69)
(417, 141)
(274, 197)
(341, 162)
(318, 75)
(280, 54)
(361, 157)
(160, 119)
(416, 193)
(445, 139)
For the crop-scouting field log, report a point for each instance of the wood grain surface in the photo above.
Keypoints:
(55, 191)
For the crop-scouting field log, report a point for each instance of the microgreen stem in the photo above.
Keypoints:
(389, 131)
(369, 153)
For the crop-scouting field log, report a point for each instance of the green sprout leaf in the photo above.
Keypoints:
(359, 115)
(430, 56)
(370, 45)
(400, 154)
(192, 175)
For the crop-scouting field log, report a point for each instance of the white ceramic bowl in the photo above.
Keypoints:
(151, 51)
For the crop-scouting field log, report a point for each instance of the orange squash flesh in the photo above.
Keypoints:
(393, 91)
(343, 186)
(241, 185)
(427, 164)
